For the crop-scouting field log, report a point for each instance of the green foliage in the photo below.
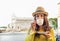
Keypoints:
(54, 22)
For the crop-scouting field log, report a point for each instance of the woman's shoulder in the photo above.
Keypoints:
(51, 28)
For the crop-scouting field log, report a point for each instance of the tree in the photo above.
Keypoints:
(54, 22)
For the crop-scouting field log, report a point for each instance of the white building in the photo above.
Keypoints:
(59, 15)
(58, 31)
(19, 23)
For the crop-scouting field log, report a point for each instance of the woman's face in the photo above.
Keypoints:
(40, 19)
(39, 16)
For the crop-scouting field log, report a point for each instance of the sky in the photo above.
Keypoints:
(25, 8)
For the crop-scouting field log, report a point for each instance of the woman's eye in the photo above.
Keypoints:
(37, 16)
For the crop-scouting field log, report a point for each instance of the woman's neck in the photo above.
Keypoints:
(41, 27)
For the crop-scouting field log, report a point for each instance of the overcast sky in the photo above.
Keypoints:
(25, 8)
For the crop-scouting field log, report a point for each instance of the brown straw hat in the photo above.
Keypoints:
(40, 10)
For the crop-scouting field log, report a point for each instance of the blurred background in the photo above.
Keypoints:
(16, 17)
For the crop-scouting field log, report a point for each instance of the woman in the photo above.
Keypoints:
(41, 25)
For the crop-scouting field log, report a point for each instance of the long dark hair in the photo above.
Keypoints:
(45, 25)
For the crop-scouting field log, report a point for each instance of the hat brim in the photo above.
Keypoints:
(34, 13)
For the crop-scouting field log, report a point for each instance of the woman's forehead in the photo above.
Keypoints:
(39, 14)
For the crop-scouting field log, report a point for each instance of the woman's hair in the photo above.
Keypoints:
(46, 26)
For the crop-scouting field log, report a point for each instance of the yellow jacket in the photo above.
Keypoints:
(30, 37)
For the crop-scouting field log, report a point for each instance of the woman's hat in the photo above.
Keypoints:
(40, 10)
